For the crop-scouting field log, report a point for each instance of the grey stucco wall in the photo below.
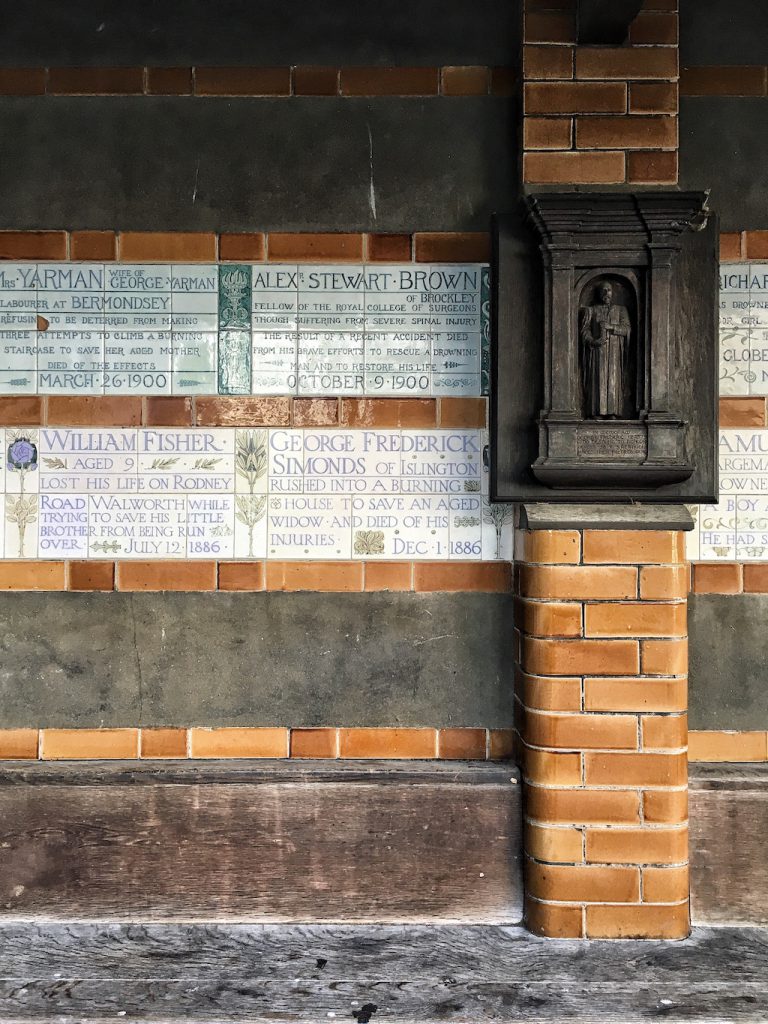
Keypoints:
(181, 164)
(321, 163)
(723, 140)
(728, 661)
(270, 32)
(265, 659)
(423, 32)
(724, 147)
(723, 32)
(92, 660)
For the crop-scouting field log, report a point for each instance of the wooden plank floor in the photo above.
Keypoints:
(385, 974)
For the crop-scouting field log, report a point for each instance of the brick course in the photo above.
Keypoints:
(652, 167)
(743, 411)
(169, 81)
(93, 245)
(464, 81)
(627, 62)
(283, 81)
(547, 62)
(326, 742)
(389, 81)
(163, 743)
(240, 410)
(95, 81)
(730, 245)
(631, 132)
(625, 99)
(547, 132)
(232, 81)
(329, 577)
(575, 98)
(438, 246)
(549, 54)
(19, 744)
(717, 578)
(188, 246)
(23, 81)
(556, 830)
(566, 167)
(723, 81)
(250, 246)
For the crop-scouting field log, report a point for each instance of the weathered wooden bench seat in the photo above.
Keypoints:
(261, 841)
(321, 841)
(729, 859)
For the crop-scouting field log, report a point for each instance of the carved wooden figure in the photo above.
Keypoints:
(605, 336)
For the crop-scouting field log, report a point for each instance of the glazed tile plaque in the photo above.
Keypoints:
(252, 493)
(736, 529)
(743, 329)
(232, 329)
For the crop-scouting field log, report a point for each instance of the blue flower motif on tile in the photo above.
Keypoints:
(22, 454)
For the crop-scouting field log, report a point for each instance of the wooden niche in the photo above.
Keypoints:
(605, 346)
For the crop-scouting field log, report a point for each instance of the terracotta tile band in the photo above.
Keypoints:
(249, 576)
(355, 576)
(241, 411)
(730, 577)
(463, 80)
(207, 247)
(717, 578)
(728, 746)
(747, 80)
(451, 744)
(743, 411)
(739, 246)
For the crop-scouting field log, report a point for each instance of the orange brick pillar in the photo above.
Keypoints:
(601, 697)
